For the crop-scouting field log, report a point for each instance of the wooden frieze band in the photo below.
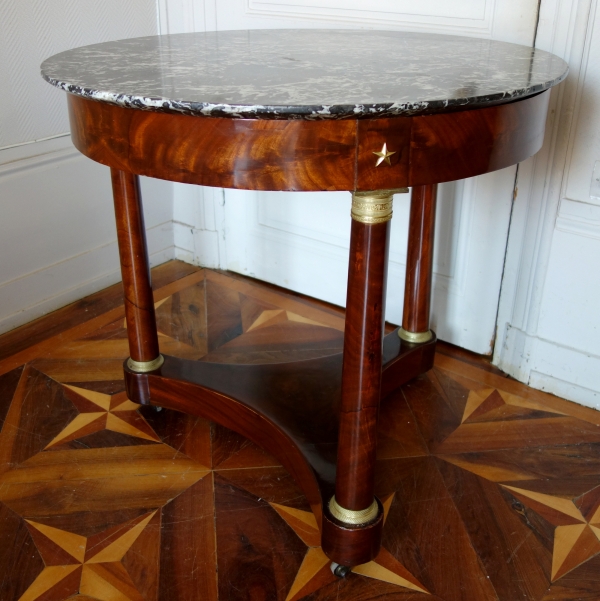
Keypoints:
(299, 155)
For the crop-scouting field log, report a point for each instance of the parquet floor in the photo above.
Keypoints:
(491, 490)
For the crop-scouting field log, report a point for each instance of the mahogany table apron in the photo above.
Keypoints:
(318, 417)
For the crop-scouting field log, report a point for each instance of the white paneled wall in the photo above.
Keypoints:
(509, 20)
(198, 218)
(57, 231)
(32, 30)
(549, 318)
(57, 234)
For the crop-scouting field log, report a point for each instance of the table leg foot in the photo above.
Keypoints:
(339, 571)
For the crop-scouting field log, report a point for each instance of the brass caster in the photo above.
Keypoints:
(340, 571)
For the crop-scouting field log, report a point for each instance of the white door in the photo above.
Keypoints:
(300, 240)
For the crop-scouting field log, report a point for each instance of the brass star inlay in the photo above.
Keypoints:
(384, 155)
(576, 539)
(90, 566)
(315, 571)
(98, 411)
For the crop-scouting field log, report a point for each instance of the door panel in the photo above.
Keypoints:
(300, 240)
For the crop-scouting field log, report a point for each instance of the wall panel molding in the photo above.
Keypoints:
(31, 109)
(57, 233)
(584, 141)
(35, 156)
(524, 349)
(579, 218)
(472, 17)
(563, 26)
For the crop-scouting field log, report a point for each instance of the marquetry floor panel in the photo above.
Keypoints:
(491, 490)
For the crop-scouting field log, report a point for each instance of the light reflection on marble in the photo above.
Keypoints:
(304, 74)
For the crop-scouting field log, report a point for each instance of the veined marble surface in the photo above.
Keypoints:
(304, 74)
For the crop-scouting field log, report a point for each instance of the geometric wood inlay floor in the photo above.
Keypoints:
(491, 490)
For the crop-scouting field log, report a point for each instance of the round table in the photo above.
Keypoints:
(369, 112)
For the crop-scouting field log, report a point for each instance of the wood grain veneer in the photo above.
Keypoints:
(135, 268)
(308, 155)
(419, 259)
(361, 374)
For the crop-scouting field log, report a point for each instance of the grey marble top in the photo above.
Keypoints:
(304, 74)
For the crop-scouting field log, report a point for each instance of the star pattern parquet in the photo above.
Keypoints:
(491, 490)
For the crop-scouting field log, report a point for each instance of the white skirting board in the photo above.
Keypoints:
(198, 228)
(36, 294)
(546, 365)
(196, 246)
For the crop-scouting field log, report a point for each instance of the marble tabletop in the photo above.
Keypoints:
(304, 74)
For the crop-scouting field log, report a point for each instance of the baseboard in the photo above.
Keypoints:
(566, 390)
(195, 246)
(35, 294)
(569, 373)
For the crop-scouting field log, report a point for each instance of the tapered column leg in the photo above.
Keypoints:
(419, 265)
(354, 504)
(135, 269)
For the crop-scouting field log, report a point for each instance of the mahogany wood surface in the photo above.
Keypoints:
(135, 269)
(295, 411)
(401, 358)
(309, 155)
(230, 153)
(419, 259)
(362, 364)
(490, 489)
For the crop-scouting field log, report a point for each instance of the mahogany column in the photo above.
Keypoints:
(354, 503)
(135, 269)
(419, 265)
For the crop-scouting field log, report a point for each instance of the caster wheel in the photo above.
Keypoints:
(340, 571)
